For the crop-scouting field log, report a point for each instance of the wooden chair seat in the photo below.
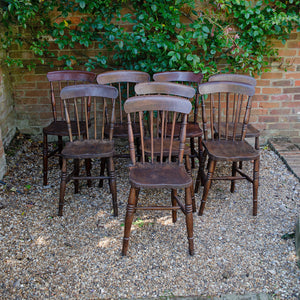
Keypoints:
(88, 149)
(60, 128)
(159, 176)
(221, 150)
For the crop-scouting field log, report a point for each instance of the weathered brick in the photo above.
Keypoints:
(292, 75)
(272, 75)
(271, 90)
(282, 83)
(269, 104)
(287, 52)
(268, 119)
(291, 90)
(293, 44)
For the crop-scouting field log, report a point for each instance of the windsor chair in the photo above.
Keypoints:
(94, 106)
(217, 104)
(58, 126)
(158, 173)
(193, 130)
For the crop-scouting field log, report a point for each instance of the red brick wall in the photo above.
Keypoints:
(275, 110)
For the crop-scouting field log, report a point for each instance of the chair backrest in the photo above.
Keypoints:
(234, 78)
(91, 106)
(184, 77)
(225, 104)
(152, 113)
(124, 81)
(164, 88)
(60, 79)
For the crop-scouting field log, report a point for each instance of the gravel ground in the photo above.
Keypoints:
(78, 256)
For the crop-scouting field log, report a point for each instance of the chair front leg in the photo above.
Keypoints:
(88, 167)
(60, 148)
(76, 173)
(189, 219)
(212, 166)
(174, 203)
(189, 171)
(233, 172)
(192, 147)
(62, 187)
(113, 185)
(131, 206)
(255, 185)
(102, 169)
(201, 176)
(45, 159)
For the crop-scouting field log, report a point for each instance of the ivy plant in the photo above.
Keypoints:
(210, 36)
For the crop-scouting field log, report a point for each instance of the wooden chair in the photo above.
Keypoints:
(193, 130)
(217, 103)
(124, 81)
(158, 174)
(174, 89)
(58, 127)
(93, 105)
(252, 132)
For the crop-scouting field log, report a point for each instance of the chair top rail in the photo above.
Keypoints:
(157, 102)
(233, 77)
(68, 75)
(169, 88)
(183, 76)
(86, 90)
(122, 76)
(226, 87)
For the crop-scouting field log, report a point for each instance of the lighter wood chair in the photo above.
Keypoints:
(158, 174)
(217, 102)
(91, 105)
(193, 130)
(58, 127)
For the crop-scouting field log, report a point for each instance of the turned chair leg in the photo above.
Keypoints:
(88, 168)
(60, 148)
(189, 171)
(233, 172)
(174, 203)
(255, 185)
(76, 173)
(113, 185)
(192, 147)
(62, 187)
(45, 159)
(189, 219)
(201, 177)
(212, 166)
(132, 201)
(102, 169)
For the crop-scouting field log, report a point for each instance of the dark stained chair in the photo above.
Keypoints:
(158, 173)
(58, 127)
(124, 81)
(193, 130)
(172, 89)
(92, 105)
(217, 102)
